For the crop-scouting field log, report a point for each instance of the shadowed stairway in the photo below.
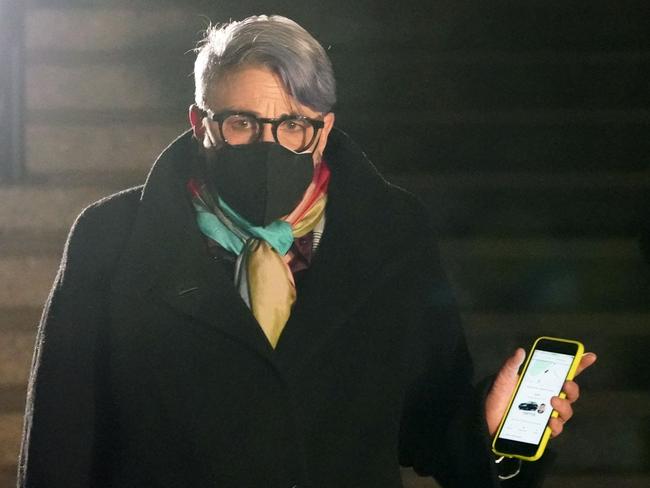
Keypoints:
(524, 127)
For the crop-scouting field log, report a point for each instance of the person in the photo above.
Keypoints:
(265, 311)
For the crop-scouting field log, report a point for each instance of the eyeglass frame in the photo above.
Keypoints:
(219, 117)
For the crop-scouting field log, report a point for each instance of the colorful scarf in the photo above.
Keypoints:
(262, 273)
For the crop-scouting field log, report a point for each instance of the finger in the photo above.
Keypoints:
(556, 426)
(571, 390)
(587, 360)
(563, 408)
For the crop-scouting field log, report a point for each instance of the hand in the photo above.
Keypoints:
(506, 381)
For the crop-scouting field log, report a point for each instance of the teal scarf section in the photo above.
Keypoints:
(232, 231)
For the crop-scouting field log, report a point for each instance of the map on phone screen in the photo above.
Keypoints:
(531, 408)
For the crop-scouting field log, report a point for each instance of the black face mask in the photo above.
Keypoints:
(261, 181)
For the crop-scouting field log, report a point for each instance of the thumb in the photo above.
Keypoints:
(508, 372)
(502, 388)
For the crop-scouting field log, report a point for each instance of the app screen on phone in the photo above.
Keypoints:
(531, 407)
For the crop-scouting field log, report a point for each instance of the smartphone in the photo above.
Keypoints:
(523, 432)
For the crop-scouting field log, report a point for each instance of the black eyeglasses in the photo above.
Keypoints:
(295, 132)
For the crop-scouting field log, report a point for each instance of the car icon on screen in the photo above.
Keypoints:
(528, 406)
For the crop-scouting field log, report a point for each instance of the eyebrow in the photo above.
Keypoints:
(258, 114)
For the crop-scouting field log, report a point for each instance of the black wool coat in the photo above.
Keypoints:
(150, 371)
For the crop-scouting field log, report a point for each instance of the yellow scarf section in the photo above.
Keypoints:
(272, 290)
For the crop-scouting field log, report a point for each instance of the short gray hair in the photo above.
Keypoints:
(275, 42)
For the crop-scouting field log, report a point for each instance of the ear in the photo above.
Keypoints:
(325, 132)
(196, 119)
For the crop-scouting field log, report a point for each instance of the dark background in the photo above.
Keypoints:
(523, 126)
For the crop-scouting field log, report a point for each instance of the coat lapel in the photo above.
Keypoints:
(351, 261)
(166, 257)
(200, 287)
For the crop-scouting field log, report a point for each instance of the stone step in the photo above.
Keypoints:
(621, 362)
(140, 76)
(106, 87)
(622, 480)
(479, 326)
(16, 319)
(580, 448)
(525, 285)
(12, 399)
(500, 142)
(538, 248)
(547, 274)
(46, 208)
(618, 367)
(600, 24)
(465, 80)
(8, 476)
(423, 182)
(65, 139)
(16, 350)
(88, 148)
(620, 340)
(98, 27)
(104, 28)
(18, 326)
(496, 275)
(36, 243)
(550, 284)
(159, 79)
(411, 480)
(609, 480)
(26, 280)
(565, 205)
(608, 325)
(445, 25)
(11, 426)
(461, 80)
(600, 437)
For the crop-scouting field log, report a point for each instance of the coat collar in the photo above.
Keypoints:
(166, 259)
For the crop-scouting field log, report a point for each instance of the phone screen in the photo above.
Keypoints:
(531, 407)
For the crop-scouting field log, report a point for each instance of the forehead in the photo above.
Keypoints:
(254, 89)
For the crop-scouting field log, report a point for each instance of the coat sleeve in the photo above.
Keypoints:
(66, 434)
(443, 432)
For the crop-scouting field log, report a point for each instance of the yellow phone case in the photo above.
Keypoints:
(547, 432)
